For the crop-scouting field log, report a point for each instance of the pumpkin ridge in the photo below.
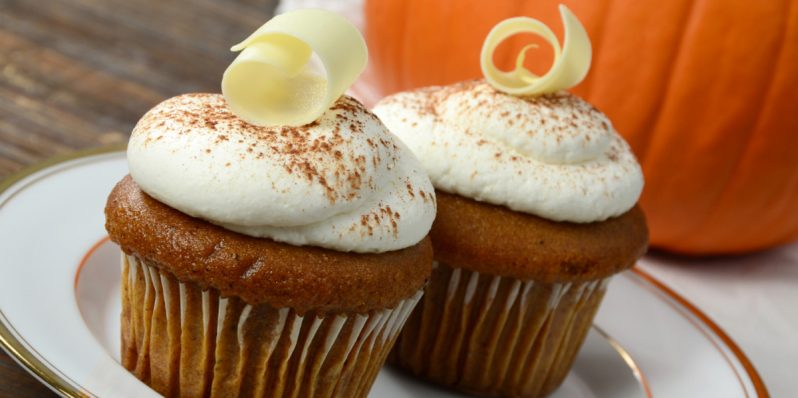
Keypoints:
(707, 222)
(402, 47)
(666, 232)
(788, 233)
(445, 25)
(702, 230)
(647, 139)
(598, 40)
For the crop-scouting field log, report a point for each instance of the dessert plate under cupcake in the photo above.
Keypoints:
(59, 307)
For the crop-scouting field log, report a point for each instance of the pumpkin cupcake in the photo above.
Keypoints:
(267, 260)
(536, 211)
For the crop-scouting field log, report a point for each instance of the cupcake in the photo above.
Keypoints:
(266, 261)
(536, 212)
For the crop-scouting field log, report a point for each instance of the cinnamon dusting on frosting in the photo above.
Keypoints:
(344, 167)
(535, 154)
(581, 118)
(298, 153)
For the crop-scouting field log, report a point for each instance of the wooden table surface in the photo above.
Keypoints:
(77, 74)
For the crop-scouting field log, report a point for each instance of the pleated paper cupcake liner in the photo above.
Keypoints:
(184, 341)
(495, 336)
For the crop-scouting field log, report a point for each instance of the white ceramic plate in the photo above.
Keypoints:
(59, 308)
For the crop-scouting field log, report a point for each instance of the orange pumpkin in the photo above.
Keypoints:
(706, 93)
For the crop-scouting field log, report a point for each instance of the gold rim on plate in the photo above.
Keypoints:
(704, 319)
(61, 384)
(27, 358)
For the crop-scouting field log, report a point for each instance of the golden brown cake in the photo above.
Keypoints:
(536, 211)
(261, 270)
(183, 343)
(512, 296)
(274, 237)
(266, 261)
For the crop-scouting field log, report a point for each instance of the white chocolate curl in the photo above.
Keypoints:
(571, 62)
(273, 82)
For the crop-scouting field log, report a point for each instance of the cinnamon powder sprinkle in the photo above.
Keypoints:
(324, 159)
(335, 157)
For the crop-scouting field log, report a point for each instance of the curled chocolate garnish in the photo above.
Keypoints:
(275, 81)
(571, 62)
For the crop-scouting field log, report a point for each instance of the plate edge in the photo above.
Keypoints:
(33, 365)
(43, 373)
(8, 341)
(748, 366)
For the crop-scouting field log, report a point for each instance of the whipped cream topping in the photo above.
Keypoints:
(342, 182)
(553, 155)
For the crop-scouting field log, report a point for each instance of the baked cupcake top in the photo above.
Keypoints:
(551, 155)
(261, 270)
(282, 154)
(342, 182)
(280, 190)
(533, 182)
(520, 140)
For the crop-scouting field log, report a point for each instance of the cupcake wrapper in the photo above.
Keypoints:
(496, 336)
(186, 341)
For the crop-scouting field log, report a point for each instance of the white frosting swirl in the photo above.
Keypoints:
(555, 155)
(342, 182)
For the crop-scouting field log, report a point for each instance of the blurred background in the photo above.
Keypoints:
(705, 91)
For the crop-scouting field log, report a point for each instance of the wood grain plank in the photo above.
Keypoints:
(72, 85)
(81, 72)
(15, 382)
